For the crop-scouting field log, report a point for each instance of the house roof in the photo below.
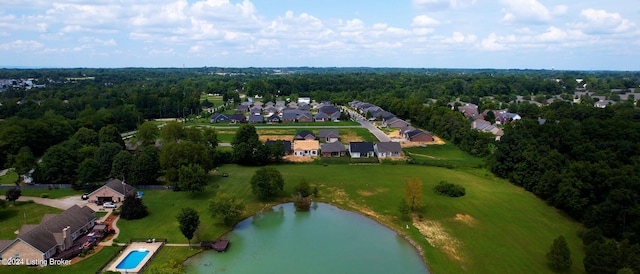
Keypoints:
(5, 243)
(274, 117)
(416, 132)
(396, 122)
(256, 118)
(324, 133)
(406, 129)
(389, 147)
(321, 115)
(333, 147)
(306, 145)
(289, 116)
(237, 117)
(305, 114)
(43, 236)
(329, 109)
(285, 143)
(217, 116)
(304, 133)
(362, 147)
(117, 186)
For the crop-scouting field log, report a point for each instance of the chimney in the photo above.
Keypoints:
(66, 238)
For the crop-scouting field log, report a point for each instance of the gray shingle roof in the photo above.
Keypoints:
(333, 147)
(389, 147)
(43, 236)
(324, 133)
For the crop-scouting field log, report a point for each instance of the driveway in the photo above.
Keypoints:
(61, 203)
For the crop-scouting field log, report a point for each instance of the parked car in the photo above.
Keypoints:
(85, 196)
(109, 205)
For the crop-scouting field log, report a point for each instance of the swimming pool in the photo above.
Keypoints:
(133, 259)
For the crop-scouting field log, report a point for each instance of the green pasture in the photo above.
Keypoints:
(216, 100)
(446, 155)
(52, 193)
(88, 265)
(9, 179)
(495, 228)
(168, 253)
(12, 218)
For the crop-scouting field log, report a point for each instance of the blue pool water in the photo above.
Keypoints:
(132, 260)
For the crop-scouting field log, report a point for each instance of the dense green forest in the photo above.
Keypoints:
(583, 160)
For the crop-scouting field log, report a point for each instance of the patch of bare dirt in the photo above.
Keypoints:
(298, 159)
(367, 193)
(436, 235)
(275, 137)
(350, 136)
(466, 219)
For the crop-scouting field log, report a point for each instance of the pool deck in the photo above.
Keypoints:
(152, 247)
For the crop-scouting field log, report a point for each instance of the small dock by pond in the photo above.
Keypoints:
(220, 245)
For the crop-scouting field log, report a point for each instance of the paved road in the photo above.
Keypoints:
(382, 137)
(280, 127)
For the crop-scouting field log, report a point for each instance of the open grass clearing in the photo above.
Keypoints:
(9, 179)
(445, 155)
(168, 253)
(51, 193)
(495, 228)
(13, 218)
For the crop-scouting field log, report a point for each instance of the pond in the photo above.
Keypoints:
(324, 240)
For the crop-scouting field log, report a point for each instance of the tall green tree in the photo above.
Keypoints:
(227, 207)
(172, 131)
(145, 167)
(192, 178)
(147, 133)
(22, 162)
(267, 182)
(89, 170)
(121, 166)
(559, 257)
(245, 134)
(86, 136)
(13, 194)
(602, 257)
(413, 193)
(188, 220)
(110, 134)
(60, 162)
(104, 156)
(133, 208)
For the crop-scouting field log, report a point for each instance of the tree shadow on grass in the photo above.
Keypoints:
(8, 213)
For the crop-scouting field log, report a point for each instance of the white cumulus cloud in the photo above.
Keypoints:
(424, 21)
(602, 22)
(525, 11)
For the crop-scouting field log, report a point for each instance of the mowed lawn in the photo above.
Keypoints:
(495, 228)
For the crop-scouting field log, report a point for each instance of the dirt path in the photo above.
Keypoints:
(423, 155)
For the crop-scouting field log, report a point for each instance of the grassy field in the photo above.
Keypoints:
(9, 179)
(495, 228)
(13, 217)
(53, 193)
(346, 134)
(216, 100)
(446, 155)
(167, 253)
(88, 265)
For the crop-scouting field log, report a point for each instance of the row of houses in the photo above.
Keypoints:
(291, 114)
(313, 148)
(389, 120)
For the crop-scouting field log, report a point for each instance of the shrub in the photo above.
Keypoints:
(449, 189)
(44, 195)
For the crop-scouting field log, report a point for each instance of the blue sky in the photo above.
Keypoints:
(524, 34)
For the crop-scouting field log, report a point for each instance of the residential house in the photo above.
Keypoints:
(304, 107)
(292, 105)
(269, 104)
(274, 119)
(419, 136)
(256, 119)
(256, 110)
(388, 149)
(242, 108)
(304, 117)
(285, 143)
(395, 122)
(330, 109)
(289, 117)
(328, 135)
(113, 190)
(258, 104)
(305, 100)
(237, 118)
(306, 148)
(504, 117)
(361, 149)
(304, 135)
(55, 234)
(321, 117)
(219, 118)
(268, 111)
(335, 149)
(280, 105)
(469, 110)
(404, 130)
(603, 103)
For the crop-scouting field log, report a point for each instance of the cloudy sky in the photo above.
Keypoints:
(534, 34)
